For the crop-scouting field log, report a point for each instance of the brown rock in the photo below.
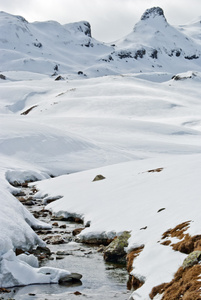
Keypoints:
(62, 226)
(98, 177)
(55, 224)
(22, 199)
(76, 231)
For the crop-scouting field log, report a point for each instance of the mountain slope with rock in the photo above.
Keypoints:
(51, 48)
(128, 112)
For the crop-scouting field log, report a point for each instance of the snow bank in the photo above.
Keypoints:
(16, 223)
(18, 271)
(135, 196)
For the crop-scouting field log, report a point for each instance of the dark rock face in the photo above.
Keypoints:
(192, 57)
(2, 77)
(38, 45)
(152, 12)
(125, 54)
(140, 53)
(85, 28)
(154, 54)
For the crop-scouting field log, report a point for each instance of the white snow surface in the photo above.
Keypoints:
(121, 125)
(17, 271)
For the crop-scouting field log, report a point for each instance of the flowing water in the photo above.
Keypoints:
(99, 281)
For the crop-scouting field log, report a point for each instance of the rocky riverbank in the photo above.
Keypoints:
(63, 250)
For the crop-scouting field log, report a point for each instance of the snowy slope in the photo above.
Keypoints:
(46, 47)
(130, 198)
(84, 124)
(192, 29)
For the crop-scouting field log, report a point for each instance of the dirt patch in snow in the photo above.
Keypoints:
(177, 231)
(28, 110)
(133, 282)
(187, 244)
(186, 285)
(155, 170)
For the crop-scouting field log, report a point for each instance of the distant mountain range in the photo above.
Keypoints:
(53, 49)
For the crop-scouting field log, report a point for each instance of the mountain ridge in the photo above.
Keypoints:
(46, 47)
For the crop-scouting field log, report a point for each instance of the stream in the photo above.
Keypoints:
(100, 280)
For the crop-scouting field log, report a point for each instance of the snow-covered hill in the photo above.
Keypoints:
(145, 114)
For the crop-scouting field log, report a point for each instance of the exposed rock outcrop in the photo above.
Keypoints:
(98, 177)
(2, 77)
(115, 251)
(152, 12)
(192, 259)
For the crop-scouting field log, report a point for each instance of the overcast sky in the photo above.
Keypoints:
(109, 19)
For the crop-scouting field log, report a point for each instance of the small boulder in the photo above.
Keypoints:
(70, 277)
(77, 231)
(98, 177)
(192, 259)
(55, 224)
(2, 77)
(115, 252)
(62, 226)
(59, 78)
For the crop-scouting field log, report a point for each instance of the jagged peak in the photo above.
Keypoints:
(86, 28)
(152, 13)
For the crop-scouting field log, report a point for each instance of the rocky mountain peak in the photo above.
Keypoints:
(84, 27)
(152, 13)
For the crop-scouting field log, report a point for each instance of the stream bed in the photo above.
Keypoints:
(100, 280)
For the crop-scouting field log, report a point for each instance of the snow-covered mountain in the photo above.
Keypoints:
(139, 126)
(52, 48)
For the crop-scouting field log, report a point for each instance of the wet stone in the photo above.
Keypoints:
(55, 224)
(54, 239)
(59, 257)
(62, 226)
(76, 231)
(77, 293)
(115, 252)
(29, 202)
(19, 194)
